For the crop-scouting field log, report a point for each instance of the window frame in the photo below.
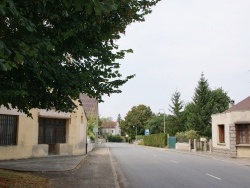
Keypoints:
(242, 133)
(8, 124)
(221, 133)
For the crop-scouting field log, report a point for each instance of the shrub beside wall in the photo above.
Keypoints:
(185, 136)
(156, 140)
(114, 138)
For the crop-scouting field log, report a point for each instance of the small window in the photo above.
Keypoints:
(8, 130)
(221, 129)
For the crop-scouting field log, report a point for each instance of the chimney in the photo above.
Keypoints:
(231, 103)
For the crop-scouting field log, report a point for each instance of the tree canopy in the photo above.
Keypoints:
(205, 103)
(136, 118)
(50, 51)
(155, 124)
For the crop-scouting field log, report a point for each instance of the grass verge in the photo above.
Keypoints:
(14, 179)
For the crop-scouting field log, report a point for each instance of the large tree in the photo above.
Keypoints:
(136, 119)
(205, 103)
(52, 50)
(200, 120)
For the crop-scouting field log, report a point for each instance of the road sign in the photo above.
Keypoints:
(146, 131)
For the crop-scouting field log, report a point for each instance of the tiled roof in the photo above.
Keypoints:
(109, 124)
(243, 105)
(90, 105)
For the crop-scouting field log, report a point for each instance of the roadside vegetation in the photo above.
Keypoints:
(20, 180)
(188, 120)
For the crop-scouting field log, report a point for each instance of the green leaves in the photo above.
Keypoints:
(2, 66)
(50, 51)
(2, 3)
(4, 51)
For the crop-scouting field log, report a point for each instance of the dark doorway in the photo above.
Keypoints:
(51, 132)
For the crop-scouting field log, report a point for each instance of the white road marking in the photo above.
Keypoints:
(213, 176)
(173, 161)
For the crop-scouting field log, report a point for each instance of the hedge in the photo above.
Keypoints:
(156, 140)
(114, 138)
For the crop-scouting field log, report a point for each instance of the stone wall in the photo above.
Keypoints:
(182, 146)
(232, 137)
(232, 152)
(222, 152)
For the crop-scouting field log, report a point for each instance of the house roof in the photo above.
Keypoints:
(243, 105)
(108, 124)
(90, 105)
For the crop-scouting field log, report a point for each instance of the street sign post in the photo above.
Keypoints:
(146, 132)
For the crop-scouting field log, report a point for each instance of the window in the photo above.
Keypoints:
(243, 134)
(221, 130)
(8, 130)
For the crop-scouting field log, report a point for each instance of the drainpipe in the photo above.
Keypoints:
(86, 147)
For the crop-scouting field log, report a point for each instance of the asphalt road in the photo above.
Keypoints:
(146, 167)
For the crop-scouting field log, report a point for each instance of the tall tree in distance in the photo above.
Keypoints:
(119, 118)
(177, 104)
(175, 120)
(200, 120)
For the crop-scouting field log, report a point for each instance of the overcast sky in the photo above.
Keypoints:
(177, 42)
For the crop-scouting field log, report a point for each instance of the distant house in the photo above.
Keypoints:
(111, 127)
(231, 130)
(47, 133)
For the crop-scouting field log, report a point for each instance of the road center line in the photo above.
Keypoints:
(173, 161)
(213, 176)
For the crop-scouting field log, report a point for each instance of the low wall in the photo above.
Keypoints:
(40, 150)
(22, 152)
(221, 151)
(243, 151)
(91, 146)
(182, 146)
(64, 149)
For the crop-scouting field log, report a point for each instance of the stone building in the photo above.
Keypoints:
(231, 130)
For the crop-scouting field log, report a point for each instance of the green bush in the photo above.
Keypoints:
(156, 140)
(185, 136)
(114, 138)
(139, 137)
(141, 142)
(91, 136)
(192, 134)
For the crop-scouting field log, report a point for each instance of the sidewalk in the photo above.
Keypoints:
(46, 164)
(96, 169)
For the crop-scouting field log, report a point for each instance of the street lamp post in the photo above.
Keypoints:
(135, 132)
(164, 118)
